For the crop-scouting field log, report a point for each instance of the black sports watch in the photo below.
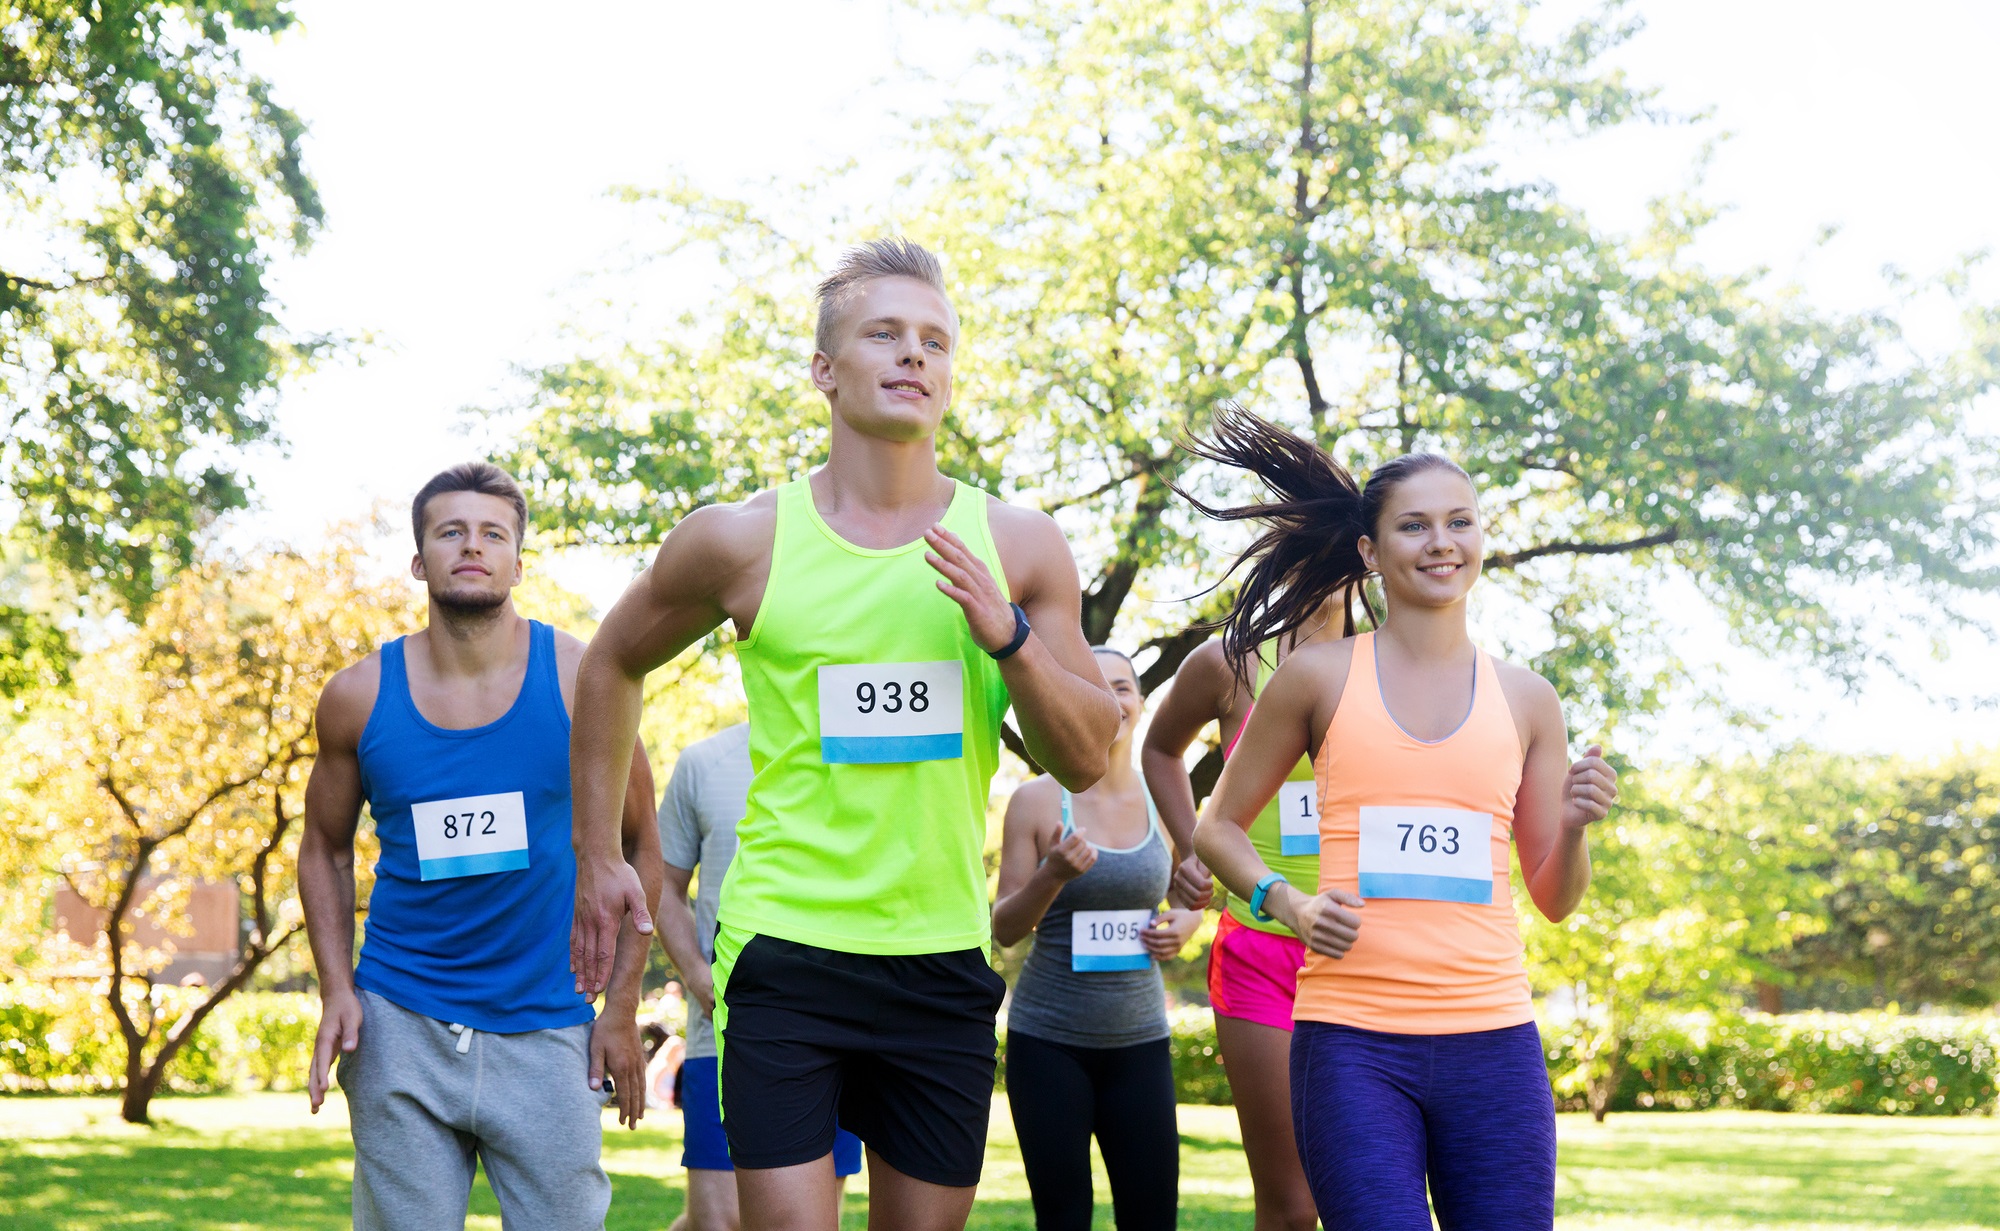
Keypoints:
(1021, 631)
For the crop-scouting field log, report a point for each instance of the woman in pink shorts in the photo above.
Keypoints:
(1253, 966)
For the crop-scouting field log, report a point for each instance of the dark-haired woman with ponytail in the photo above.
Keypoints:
(1415, 1062)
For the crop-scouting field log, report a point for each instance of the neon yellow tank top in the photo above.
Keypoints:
(1294, 855)
(874, 734)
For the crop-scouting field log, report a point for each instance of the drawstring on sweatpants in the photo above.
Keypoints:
(464, 1034)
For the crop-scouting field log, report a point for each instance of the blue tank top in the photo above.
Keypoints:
(469, 921)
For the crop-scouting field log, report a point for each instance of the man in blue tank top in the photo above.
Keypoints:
(461, 1036)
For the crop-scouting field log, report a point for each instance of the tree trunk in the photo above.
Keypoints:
(140, 1087)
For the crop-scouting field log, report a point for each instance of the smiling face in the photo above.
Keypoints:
(1427, 542)
(470, 553)
(1125, 687)
(889, 374)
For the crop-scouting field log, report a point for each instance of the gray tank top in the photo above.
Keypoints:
(1096, 1008)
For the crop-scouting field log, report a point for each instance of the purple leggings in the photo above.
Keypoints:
(1377, 1114)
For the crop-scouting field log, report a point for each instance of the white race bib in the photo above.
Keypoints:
(1438, 854)
(889, 713)
(1298, 818)
(1109, 940)
(471, 836)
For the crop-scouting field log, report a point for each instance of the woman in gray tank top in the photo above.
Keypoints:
(1087, 1049)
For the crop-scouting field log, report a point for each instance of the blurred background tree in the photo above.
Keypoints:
(1147, 207)
(181, 756)
(147, 182)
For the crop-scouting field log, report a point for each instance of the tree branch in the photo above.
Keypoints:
(1019, 747)
(1511, 559)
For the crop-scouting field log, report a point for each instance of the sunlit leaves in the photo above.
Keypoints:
(153, 181)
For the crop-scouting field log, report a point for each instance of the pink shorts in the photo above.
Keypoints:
(1254, 975)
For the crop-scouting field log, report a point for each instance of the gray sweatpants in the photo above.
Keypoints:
(426, 1101)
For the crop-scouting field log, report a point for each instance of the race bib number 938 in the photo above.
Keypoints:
(890, 713)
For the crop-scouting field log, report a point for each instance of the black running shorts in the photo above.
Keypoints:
(898, 1049)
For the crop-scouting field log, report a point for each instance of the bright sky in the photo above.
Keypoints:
(464, 152)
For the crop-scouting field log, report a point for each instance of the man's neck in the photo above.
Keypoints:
(471, 644)
(874, 489)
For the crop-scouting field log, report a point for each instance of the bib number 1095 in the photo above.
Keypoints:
(891, 713)
(471, 836)
(1109, 940)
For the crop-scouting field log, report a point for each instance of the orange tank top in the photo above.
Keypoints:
(1421, 832)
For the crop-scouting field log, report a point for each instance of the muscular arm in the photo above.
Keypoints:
(326, 864)
(678, 600)
(1557, 802)
(1066, 711)
(639, 841)
(615, 1046)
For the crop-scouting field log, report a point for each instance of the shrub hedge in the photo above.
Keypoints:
(62, 1038)
(1882, 1063)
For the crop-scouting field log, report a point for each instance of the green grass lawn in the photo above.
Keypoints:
(258, 1161)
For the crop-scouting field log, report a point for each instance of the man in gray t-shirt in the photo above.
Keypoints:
(705, 798)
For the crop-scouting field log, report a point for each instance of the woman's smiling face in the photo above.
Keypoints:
(1427, 544)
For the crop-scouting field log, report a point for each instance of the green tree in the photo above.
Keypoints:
(1703, 879)
(148, 180)
(181, 756)
(1912, 882)
(1147, 207)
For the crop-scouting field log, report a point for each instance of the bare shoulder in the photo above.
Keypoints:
(737, 534)
(1036, 803)
(347, 701)
(1531, 699)
(1205, 674)
(1033, 549)
(1320, 664)
(569, 656)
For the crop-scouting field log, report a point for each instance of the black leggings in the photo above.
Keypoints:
(1060, 1095)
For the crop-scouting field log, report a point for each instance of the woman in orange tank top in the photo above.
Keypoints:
(1415, 1061)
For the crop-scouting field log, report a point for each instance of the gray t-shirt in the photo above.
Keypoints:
(705, 798)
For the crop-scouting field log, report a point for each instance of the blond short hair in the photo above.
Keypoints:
(894, 257)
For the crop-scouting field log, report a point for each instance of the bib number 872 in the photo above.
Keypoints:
(892, 699)
(1427, 838)
(466, 824)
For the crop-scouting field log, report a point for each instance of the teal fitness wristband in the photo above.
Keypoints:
(1262, 891)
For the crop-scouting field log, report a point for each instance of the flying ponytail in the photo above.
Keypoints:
(1311, 551)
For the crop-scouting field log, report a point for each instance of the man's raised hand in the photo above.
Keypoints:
(970, 584)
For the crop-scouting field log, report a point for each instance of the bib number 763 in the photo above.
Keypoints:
(1439, 854)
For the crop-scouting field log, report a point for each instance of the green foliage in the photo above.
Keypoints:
(1874, 1063)
(1148, 207)
(152, 180)
(1699, 876)
(60, 1036)
(1912, 892)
